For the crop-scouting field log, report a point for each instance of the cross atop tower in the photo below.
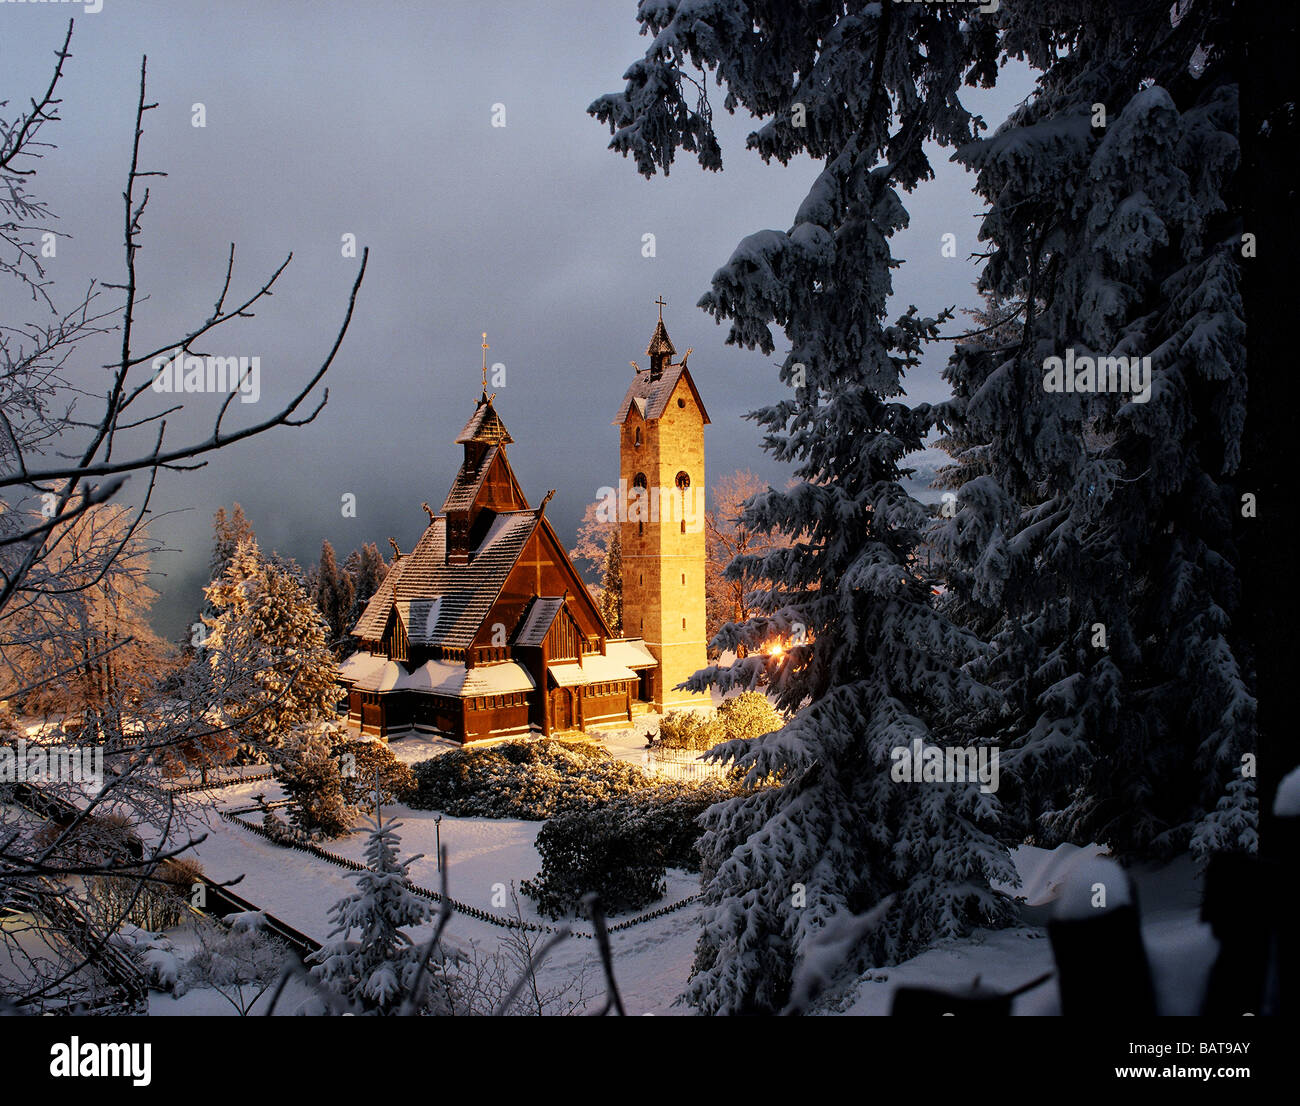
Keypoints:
(662, 305)
(486, 347)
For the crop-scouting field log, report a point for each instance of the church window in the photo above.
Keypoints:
(636, 441)
(681, 403)
(683, 623)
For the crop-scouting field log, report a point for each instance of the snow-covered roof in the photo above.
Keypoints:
(498, 679)
(465, 488)
(651, 396)
(594, 669)
(385, 676)
(359, 665)
(630, 653)
(449, 678)
(464, 593)
(538, 621)
(484, 425)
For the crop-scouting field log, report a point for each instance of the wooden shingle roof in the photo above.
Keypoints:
(465, 592)
(465, 488)
(537, 621)
(651, 396)
(485, 426)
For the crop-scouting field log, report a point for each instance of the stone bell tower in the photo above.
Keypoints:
(661, 480)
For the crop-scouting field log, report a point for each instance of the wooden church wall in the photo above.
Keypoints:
(543, 568)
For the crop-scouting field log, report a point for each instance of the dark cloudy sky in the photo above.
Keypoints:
(375, 119)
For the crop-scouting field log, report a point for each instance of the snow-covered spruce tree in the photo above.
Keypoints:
(307, 767)
(1103, 529)
(377, 970)
(268, 643)
(838, 864)
(334, 592)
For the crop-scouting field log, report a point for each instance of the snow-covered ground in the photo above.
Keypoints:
(653, 959)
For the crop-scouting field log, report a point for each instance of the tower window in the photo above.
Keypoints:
(642, 578)
(639, 493)
(681, 403)
(683, 578)
(683, 623)
(637, 440)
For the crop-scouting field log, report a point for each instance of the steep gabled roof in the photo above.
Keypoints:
(651, 396)
(464, 593)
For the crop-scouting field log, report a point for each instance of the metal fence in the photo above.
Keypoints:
(682, 764)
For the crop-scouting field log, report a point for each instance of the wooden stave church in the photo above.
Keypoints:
(485, 630)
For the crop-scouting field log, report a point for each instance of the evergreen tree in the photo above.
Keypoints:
(378, 968)
(366, 569)
(335, 593)
(307, 766)
(1101, 538)
(611, 584)
(838, 857)
(599, 549)
(267, 642)
(228, 532)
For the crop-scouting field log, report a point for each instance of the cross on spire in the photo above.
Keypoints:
(662, 305)
(486, 347)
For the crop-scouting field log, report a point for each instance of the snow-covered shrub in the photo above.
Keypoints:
(741, 718)
(162, 968)
(239, 963)
(696, 730)
(362, 764)
(622, 850)
(276, 827)
(532, 780)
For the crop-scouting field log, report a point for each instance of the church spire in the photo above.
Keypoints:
(660, 350)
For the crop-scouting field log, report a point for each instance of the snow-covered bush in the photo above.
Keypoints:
(741, 718)
(366, 764)
(621, 850)
(239, 963)
(532, 780)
